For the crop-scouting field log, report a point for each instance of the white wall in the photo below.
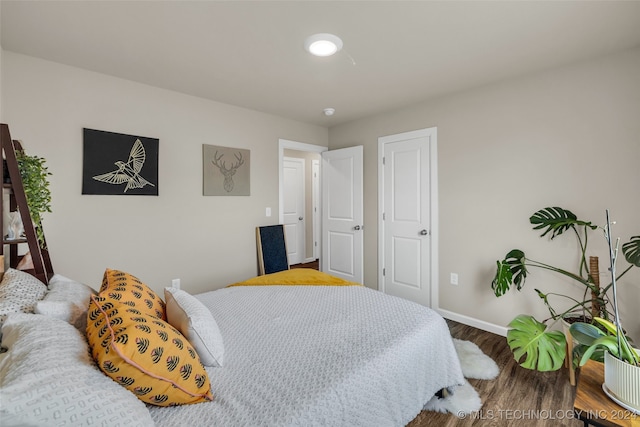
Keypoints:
(1, 53)
(207, 242)
(568, 137)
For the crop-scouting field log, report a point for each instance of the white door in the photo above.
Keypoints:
(293, 208)
(406, 204)
(342, 213)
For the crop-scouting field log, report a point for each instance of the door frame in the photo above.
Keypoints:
(285, 144)
(430, 133)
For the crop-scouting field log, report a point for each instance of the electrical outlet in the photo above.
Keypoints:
(454, 278)
(175, 283)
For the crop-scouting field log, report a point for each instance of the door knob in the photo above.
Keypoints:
(357, 227)
(424, 232)
(300, 219)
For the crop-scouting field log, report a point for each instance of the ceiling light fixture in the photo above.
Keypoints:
(323, 44)
(329, 111)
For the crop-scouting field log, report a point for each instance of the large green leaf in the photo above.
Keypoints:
(627, 352)
(516, 260)
(631, 251)
(511, 270)
(502, 280)
(544, 350)
(608, 342)
(556, 221)
(585, 333)
(595, 341)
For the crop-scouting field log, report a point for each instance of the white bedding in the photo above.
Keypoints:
(320, 355)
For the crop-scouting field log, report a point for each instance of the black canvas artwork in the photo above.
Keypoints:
(119, 164)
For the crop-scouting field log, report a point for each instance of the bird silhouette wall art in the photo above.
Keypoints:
(129, 172)
(119, 164)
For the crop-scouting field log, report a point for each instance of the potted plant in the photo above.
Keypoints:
(543, 348)
(621, 360)
(34, 174)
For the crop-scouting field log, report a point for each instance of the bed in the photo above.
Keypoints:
(294, 355)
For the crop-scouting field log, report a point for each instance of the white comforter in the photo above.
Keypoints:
(320, 356)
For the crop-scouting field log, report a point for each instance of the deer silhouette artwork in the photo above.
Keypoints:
(227, 173)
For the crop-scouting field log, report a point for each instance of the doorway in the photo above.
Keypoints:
(408, 223)
(312, 208)
(340, 207)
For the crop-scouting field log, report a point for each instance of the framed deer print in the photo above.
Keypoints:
(225, 171)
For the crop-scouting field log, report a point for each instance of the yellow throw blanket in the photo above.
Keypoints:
(297, 277)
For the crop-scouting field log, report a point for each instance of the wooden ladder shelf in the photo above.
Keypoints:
(42, 268)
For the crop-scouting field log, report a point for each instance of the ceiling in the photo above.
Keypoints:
(251, 54)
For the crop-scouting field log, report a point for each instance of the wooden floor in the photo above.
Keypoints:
(517, 397)
(312, 264)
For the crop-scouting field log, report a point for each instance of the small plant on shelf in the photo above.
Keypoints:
(34, 174)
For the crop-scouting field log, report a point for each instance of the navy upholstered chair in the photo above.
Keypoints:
(272, 249)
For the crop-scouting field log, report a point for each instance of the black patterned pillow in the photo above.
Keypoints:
(129, 290)
(19, 292)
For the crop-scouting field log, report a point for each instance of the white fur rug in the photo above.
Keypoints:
(464, 399)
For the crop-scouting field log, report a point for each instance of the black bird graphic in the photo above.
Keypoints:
(128, 172)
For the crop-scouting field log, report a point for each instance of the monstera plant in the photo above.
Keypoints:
(543, 348)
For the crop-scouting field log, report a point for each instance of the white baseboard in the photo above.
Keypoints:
(470, 321)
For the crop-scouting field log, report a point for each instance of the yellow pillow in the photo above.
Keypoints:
(130, 290)
(145, 354)
(297, 276)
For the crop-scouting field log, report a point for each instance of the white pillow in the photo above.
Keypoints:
(195, 321)
(49, 378)
(66, 300)
(19, 292)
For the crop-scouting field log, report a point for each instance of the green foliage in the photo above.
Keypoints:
(544, 350)
(557, 221)
(34, 174)
(631, 251)
(511, 270)
(596, 339)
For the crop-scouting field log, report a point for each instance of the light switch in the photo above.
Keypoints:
(268, 212)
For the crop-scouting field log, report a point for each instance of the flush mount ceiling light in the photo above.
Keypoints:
(323, 44)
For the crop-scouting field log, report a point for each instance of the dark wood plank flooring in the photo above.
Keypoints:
(312, 264)
(517, 397)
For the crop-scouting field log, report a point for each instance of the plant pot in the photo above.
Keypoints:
(622, 382)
